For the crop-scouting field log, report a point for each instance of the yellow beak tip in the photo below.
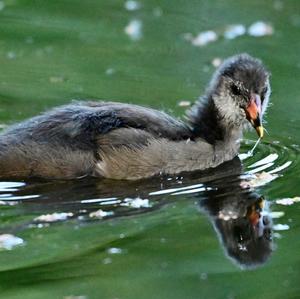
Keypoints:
(260, 131)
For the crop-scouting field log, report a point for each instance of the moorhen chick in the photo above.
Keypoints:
(123, 141)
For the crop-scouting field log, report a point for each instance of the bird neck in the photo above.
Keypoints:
(209, 123)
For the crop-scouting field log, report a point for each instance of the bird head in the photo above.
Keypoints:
(241, 91)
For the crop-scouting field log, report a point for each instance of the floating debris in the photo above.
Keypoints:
(100, 214)
(8, 241)
(114, 250)
(216, 62)
(53, 217)
(134, 29)
(260, 28)
(132, 5)
(136, 203)
(288, 201)
(184, 104)
(257, 180)
(204, 38)
(234, 31)
(280, 227)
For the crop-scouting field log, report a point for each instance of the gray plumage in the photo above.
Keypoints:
(124, 141)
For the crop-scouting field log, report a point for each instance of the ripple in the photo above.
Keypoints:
(271, 157)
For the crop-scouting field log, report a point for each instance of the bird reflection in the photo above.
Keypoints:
(242, 221)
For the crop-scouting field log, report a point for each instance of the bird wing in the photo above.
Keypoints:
(80, 124)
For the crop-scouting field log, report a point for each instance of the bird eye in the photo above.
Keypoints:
(235, 90)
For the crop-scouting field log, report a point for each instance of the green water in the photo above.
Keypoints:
(54, 51)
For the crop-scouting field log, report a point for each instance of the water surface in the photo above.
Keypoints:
(217, 234)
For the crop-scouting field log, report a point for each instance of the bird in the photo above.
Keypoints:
(129, 142)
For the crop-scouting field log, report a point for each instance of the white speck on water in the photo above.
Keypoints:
(8, 241)
(56, 79)
(288, 201)
(276, 215)
(157, 12)
(110, 71)
(234, 31)
(11, 55)
(101, 214)
(184, 103)
(136, 203)
(132, 5)
(114, 250)
(260, 28)
(39, 225)
(2, 5)
(203, 276)
(280, 227)
(53, 217)
(216, 62)
(107, 261)
(134, 29)
(204, 38)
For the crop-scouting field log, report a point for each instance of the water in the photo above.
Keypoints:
(191, 236)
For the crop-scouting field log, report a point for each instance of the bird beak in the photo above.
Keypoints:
(254, 114)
